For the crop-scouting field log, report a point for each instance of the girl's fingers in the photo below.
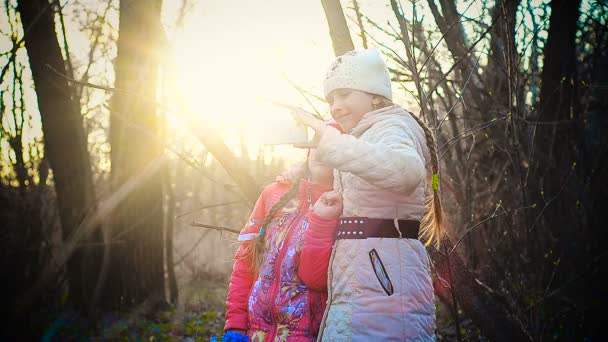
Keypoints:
(300, 116)
(331, 199)
(334, 196)
(306, 118)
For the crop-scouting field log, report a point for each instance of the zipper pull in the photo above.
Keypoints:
(309, 197)
(282, 220)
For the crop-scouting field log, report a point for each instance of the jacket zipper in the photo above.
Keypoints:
(277, 277)
(278, 263)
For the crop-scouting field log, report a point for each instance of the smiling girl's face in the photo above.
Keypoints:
(347, 106)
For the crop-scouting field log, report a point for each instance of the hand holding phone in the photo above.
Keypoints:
(281, 128)
(306, 119)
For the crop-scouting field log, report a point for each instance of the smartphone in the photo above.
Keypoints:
(282, 128)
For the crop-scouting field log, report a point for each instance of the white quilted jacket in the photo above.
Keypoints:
(382, 170)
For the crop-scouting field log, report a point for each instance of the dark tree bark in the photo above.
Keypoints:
(65, 143)
(449, 22)
(595, 165)
(568, 158)
(136, 272)
(552, 181)
(169, 263)
(503, 61)
(338, 29)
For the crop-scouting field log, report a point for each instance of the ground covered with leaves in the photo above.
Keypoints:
(194, 324)
(198, 316)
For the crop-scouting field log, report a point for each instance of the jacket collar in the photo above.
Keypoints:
(370, 118)
(306, 187)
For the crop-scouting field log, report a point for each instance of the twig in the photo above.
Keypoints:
(465, 134)
(547, 203)
(87, 84)
(461, 93)
(183, 257)
(568, 282)
(17, 45)
(494, 215)
(303, 93)
(218, 228)
(463, 57)
(208, 207)
(443, 36)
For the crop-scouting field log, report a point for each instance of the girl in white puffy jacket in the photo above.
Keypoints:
(386, 169)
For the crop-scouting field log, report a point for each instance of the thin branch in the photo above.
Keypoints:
(17, 45)
(444, 34)
(494, 215)
(467, 133)
(218, 228)
(304, 93)
(460, 95)
(360, 23)
(183, 257)
(208, 207)
(464, 56)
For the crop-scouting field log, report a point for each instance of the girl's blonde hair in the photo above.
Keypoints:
(431, 225)
(255, 248)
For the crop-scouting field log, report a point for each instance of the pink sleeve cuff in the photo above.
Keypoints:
(322, 226)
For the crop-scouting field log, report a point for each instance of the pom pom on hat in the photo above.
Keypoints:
(362, 70)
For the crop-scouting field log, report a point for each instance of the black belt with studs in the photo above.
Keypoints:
(364, 227)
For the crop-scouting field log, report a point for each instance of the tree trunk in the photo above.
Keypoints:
(503, 60)
(136, 273)
(595, 166)
(338, 29)
(235, 167)
(65, 143)
(169, 263)
(568, 161)
(552, 182)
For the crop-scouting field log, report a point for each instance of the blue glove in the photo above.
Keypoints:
(231, 336)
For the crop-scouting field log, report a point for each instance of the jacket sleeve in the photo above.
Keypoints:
(242, 277)
(316, 251)
(392, 163)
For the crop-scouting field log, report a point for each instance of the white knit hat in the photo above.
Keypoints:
(362, 70)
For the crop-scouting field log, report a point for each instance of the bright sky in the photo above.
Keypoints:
(229, 56)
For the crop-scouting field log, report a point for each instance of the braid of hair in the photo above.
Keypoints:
(257, 248)
(432, 221)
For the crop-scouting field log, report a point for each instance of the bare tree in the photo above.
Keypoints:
(65, 142)
(136, 272)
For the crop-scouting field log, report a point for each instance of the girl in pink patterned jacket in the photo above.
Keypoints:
(278, 287)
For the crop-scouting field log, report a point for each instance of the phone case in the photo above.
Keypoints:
(282, 130)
